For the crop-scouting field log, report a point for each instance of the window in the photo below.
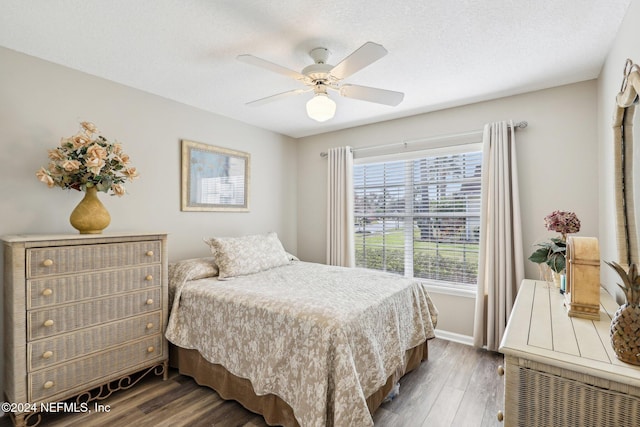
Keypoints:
(420, 217)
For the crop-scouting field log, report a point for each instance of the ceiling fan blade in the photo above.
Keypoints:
(372, 94)
(254, 60)
(278, 96)
(365, 55)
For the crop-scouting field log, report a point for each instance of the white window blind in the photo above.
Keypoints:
(420, 217)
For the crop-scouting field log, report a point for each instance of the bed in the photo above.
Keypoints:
(303, 344)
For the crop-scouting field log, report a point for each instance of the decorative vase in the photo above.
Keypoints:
(556, 278)
(90, 216)
(625, 333)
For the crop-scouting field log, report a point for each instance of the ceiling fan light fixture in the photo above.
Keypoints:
(321, 76)
(321, 108)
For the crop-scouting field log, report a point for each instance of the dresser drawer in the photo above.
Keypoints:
(100, 368)
(533, 397)
(50, 291)
(74, 259)
(63, 348)
(66, 318)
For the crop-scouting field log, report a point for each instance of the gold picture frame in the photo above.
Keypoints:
(214, 178)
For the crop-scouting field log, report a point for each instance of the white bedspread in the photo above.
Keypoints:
(321, 338)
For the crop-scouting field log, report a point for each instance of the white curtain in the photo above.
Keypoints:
(340, 239)
(501, 264)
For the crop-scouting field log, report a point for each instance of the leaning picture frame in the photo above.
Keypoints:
(214, 178)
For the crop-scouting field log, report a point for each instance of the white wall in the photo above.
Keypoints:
(41, 102)
(625, 46)
(557, 161)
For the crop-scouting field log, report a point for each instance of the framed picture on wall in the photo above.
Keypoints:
(214, 178)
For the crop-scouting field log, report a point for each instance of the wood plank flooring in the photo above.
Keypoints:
(457, 386)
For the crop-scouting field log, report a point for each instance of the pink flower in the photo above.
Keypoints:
(122, 158)
(79, 140)
(95, 165)
(43, 176)
(131, 173)
(89, 127)
(562, 222)
(55, 154)
(118, 190)
(96, 151)
(71, 165)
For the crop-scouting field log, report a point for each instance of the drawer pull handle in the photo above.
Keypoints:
(148, 278)
(149, 301)
(149, 325)
(47, 354)
(150, 349)
(48, 323)
(47, 292)
(48, 384)
(149, 253)
(500, 416)
(47, 262)
(500, 370)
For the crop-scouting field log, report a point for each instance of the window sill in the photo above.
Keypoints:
(450, 289)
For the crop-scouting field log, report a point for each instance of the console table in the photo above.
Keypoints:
(561, 370)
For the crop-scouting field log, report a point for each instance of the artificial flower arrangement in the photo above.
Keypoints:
(553, 252)
(87, 159)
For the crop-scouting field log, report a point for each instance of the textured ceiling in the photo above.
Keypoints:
(441, 53)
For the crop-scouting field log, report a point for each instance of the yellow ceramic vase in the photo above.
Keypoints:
(90, 216)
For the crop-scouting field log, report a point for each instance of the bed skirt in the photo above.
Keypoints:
(274, 410)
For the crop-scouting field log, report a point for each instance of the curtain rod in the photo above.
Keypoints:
(520, 125)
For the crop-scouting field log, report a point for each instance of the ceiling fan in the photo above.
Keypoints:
(320, 77)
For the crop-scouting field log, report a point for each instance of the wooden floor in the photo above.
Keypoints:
(457, 386)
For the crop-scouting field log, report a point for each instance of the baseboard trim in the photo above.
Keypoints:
(452, 336)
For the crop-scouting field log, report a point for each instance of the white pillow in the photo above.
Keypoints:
(239, 256)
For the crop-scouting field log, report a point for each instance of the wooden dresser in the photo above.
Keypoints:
(81, 311)
(561, 370)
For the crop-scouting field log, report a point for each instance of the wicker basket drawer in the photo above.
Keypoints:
(63, 289)
(541, 395)
(74, 259)
(540, 399)
(97, 369)
(67, 318)
(63, 348)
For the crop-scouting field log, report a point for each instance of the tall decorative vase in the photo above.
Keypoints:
(90, 216)
(556, 279)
